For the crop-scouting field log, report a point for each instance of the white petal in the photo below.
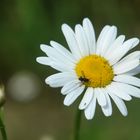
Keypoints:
(134, 71)
(71, 97)
(71, 41)
(90, 34)
(117, 43)
(127, 79)
(107, 109)
(135, 41)
(108, 39)
(118, 53)
(57, 58)
(125, 66)
(59, 79)
(120, 104)
(87, 98)
(131, 90)
(116, 90)
(50, 62)
(82, 40)
(90, 110)
(46, 48)
(61, 67)
(43, 60)
(63, 51)
(70, 86)
(101, 38)
(132, 56)
(100, 97)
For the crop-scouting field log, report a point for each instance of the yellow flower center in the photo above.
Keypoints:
(94, 71)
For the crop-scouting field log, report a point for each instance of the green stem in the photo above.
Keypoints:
(2, 127)
(77, 125)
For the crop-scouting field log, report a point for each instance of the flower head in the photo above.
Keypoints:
(98, 70)
(2, 96)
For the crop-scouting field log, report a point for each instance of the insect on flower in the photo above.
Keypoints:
(83, 79)
(98, 68)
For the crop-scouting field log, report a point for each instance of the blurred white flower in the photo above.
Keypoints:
(98, 69)
(24, 86)
(46, 137)
(2, 95)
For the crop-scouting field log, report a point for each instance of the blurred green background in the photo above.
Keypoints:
(35, 111)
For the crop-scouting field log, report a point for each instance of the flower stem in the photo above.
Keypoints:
(2, 126)
(77, 125)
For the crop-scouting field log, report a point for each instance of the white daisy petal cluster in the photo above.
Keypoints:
(97, 70)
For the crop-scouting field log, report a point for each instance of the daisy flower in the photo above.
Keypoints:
(97, 70)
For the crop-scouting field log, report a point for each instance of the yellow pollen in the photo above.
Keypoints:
(94, 71)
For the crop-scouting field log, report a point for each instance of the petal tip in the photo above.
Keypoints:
(47, 81)
(37, 59)
(52, 42)
(42, 47)
(125, 114)
(64, 26)
(80, 107)
(89, 118)
(137, 41)
(66, 103)
(86, 19)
